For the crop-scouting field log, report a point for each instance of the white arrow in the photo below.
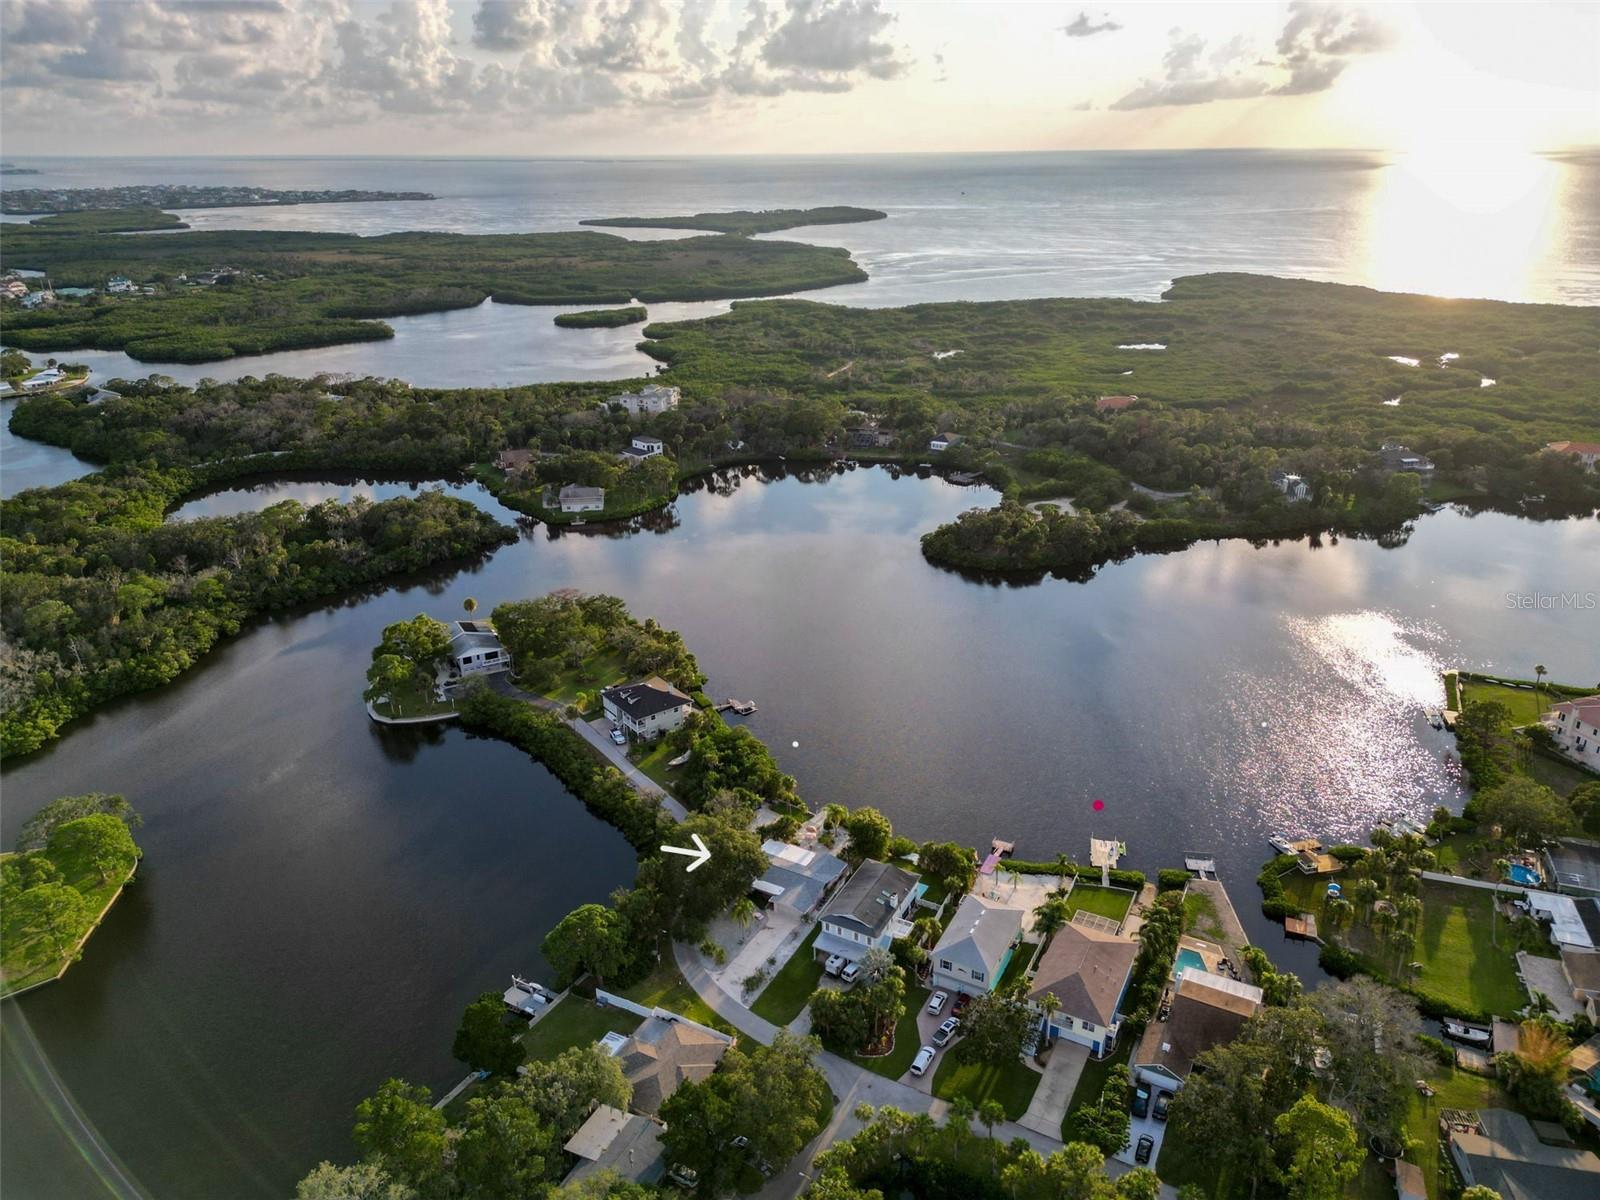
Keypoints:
(700, 854)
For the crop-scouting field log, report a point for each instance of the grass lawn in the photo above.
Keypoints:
(906, 1039)
(783, 998)
(1556, 773)
(1456, 1089)
(27, 959)
(1012, 1084)
(412, 699)
(654, 764)
(575, 1022)
(1200, 916)
(1524, 705)
(597, 671)
(1108, 902)
(1021, 960)
(1093, 1080)
(665, 987)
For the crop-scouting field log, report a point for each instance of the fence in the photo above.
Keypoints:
(612, 1000)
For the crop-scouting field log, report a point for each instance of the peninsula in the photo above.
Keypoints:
(745, 222)
(22, 201)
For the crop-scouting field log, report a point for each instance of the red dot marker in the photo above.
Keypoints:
(1099, 804)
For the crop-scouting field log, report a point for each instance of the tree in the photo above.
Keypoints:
(56, 912)
(606, 1185)
(1585, 804)
(101, 843)
(35, 834)
(387, 675)
(953, 865)
(1526, 811)
(470, 605)
(1370, 1031)
(421, 641)
(869, 832)
(484, 1041)
(1228, 1105)
(1141, 1183)
(992, 1113)
(592, 938)
(504, 1149)
(994, 1028)
(564, 1090)
(1536, 1070)
(1051, 915)
(1538, 679)
(1482, 727)
(690, 899)
(1324, 1151)
(1478, 1192)
(1077, 1171)
(360, 1181)
(1105, 1125)
(400, 1126)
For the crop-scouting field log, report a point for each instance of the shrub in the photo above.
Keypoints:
(1171, 879)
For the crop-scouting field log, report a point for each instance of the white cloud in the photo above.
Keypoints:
(1083, 25)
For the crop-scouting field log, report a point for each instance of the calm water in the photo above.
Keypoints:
(960, 227)
(320, 898)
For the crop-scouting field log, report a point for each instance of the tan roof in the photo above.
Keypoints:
(1086, 970)
(1585, 1056)
(592, 1138)
(1582, 968)
(1587, 709)
(1112, 403)
(1574, 447)
(662, 1055)
(1410, 1183)
(1202, 1016)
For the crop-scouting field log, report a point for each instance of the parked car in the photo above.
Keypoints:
(739, 1143)
(937, 1003)
(1141, 1101)
(619, 738)
(1163, 1099)
(851, 972)
(1147, 1145)
(834, 965)
(943, 1034)
(961, 1004)
(685, 1177)
(923, 1060)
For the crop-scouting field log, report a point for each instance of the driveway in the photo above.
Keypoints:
(1061, 1073)
(1138, 1127)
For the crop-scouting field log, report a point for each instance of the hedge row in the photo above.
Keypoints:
(1275, 902)
(1127, 879)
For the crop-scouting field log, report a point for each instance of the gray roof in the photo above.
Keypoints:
(802, 874)
(617, 1141)
(1509, 1158)
(863, 903)
(474, 635)
(1576, 864)
(644, 699)
(979, 934)
(575, 491)
(661, 1055)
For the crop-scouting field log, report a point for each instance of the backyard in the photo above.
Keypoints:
(665, 987)
(1113, 903)
(1012, 1084)
(30, 956)
(1017, 968)
(786, 995)
(575, 1021)
(598, 670)
(411, 699)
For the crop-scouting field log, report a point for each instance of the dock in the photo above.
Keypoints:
(743, 707)
(1302, 925)
(1201, 865)
(964, 478)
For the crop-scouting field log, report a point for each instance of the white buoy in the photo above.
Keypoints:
(796, 745)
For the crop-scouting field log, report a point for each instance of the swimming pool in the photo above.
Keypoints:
(1526, 876)
(1187, 958)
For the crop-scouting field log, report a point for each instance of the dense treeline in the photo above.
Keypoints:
(743, 221)
(120, 220)
(298, 290)
(103, 599)
(603, 318)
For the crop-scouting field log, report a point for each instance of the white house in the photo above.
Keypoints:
(1587, 453)
(574, 498)
(475, 649)
(1292, 486)
(647, 709)
(1575, 724)
(1087, 971)
(643, 448)
(868, 912)
(651, 398)
(976, 947)
(44, 379)
(944, 441)
(121, 283)
(38, 299)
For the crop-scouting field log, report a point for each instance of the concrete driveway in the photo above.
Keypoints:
(1139, 1127)
(1061, 1073)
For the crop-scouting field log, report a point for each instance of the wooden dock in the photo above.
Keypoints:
(1302, 925)
(743, 707)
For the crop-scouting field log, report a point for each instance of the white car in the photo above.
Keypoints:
(851, 972)
(923, 1060)
(943, 1034)
(936, 1005)
(834, 964)
(619, 738)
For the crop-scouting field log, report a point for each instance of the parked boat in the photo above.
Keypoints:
(1472, 1035)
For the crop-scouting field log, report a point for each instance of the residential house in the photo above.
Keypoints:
(1402, 458)
(1114, 403)
(1575, 724)
(475, 649)
(870, 437)
(1087, 971)
(121, 284)
(613, 1140)
(43, 379)
(13, 289)
(516, 463)
(868, 912)
(1207, 1010)
(1409, 1181)
(663, 1054)
(944, 441)
(1582, 969)
(646, 709)
(1564, 915)
(1292, 486)
(651, 398)
(1500, 1150)
(574, 498)
(1587, 453)
(976, 946)
(39, 299)
(1573, 865)
(800, 877)
(641, 449)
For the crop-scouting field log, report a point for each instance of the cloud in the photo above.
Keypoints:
(1317, 42)
(838, 38)
(1082, 26)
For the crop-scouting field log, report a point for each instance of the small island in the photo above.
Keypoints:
(603, 318)
(71, 863)
(21, 201)
(745, 222)
(109, 220)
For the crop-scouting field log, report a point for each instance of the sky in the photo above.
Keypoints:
(559, 77)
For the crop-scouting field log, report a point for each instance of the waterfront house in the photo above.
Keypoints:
(641, 449)
(13, 289)
(574, 498)
(1582, 971)
(43, 379)
(1207, 1010)
(516, 462)
(868, 911)
(40, 299)
(475, 649)
(646, 709)
(1587, 453)
(944, 441)
(1500, 1150)
(1292, 486)
(1397, 457)
(120, 284)
(663, 1054)
(1575, 725)
(612, 1140)
(650, 399)
(1114, 403)
(1087, 970)
(976, 946)
(800, 877)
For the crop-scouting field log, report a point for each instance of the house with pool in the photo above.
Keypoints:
(1086, 969)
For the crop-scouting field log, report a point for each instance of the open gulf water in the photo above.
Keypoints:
(321, 897)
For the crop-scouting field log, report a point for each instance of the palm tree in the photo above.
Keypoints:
(1538, 677)
(1502, 868)
(992, 1113)
(1365, 892)
(1051, 1005)
(1062, 865)
(1402, 940)
(876, 963)
(470, 605)
(1408, 909)
(1338, 911)
(959, 1122)
(743, 911)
